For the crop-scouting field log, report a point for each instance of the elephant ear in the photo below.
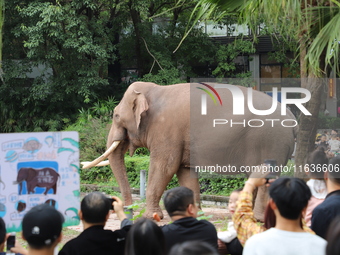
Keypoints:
(140, 105)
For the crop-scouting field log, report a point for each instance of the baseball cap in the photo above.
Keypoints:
(42, 225)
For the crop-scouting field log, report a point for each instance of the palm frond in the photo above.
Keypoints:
(327, 43)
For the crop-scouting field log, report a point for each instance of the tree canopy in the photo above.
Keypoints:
(79, 50)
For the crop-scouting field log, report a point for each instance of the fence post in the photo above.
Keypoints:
(142, 184)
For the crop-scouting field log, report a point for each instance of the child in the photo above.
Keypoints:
(323, 142)
(334, 144)
(229, 237)
(316, 161)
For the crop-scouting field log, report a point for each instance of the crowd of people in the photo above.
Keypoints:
(329, 141)
(300, 218)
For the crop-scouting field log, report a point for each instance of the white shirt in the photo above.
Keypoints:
(318, 188)
(229, 235)
(281, 242)
(334, 144)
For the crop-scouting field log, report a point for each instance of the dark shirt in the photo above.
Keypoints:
(325, 212)
(97, 240)
(189, 229)
(234, 247)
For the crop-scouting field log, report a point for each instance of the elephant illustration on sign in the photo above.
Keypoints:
(44, 177)
(168, 121)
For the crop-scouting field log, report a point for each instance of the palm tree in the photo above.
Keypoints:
(314, 24)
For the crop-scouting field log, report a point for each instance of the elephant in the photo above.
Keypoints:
(45, 177)
(168, 120)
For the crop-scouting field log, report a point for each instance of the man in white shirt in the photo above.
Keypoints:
(334, 144)
(288, 199)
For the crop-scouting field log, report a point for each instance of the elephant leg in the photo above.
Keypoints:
(20, 188)
(261, 201)
(29, 188)
(54, 187)
(160, 173)
(189, 179)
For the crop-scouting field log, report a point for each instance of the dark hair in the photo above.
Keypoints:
(333, 169)
(269, 217)
(193, 248)
(95, 207)
(2, 231)
(317, 159)
(177, 200)
(333, 236)
(291, 196)
(145, 238)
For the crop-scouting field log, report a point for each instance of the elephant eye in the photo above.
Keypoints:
(117, 116)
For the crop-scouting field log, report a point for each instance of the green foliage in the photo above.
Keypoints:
(290, 167)
(136, 206)
(142, 151)
(93, 134)
(133, 167)
(219, 184)
(161, 65)
(68, 46)
(226, 55)
(201, 216)
(164, 77)
(102, 109)
(326, 122)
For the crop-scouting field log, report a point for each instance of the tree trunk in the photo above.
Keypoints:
(308, 124)
(136, 20)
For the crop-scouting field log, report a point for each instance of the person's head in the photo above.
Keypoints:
(233, 199)
(2, 234)
(290, 195)
(193, 248)
(334, 132)
(334, 136)
(333, 236)
(318, 158)
(145, 238)
(318, 137)
(180, 201)
(95, 208)
(41, 227)
(333, 173)
(323, 138)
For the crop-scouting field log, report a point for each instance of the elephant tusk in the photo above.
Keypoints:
(103, 163)
(102, 157)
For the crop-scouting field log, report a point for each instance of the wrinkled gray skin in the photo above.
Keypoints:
(44, 178)
(158, 118)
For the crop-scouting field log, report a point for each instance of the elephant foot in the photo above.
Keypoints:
(149, 213)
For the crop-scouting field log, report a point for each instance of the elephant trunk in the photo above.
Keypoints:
(119, 170)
